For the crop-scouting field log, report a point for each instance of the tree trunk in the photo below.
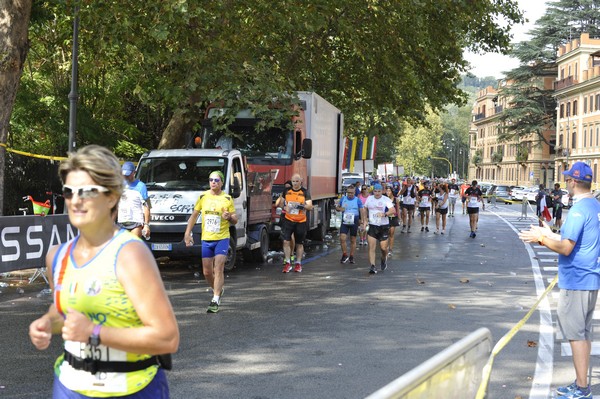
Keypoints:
(14, 44)
(176, 134)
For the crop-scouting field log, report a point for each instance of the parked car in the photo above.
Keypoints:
(531, 194)
(501, 192)
(518, 192)
(485, 187)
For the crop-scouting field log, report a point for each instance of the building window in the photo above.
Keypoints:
(562, 110)
(597, 135)
(568, 109)
(560, 140)
(584, 138)
(597, 102)
(584, 105)
(575, 107)
(591, 103)
(573, 138)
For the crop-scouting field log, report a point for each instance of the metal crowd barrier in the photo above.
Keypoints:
(454, 373)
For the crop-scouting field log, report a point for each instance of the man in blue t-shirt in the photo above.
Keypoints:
(578, 246)
(352, 214)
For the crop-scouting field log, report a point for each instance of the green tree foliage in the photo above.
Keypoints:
(533, 107)
(149, 68)
(418, 143)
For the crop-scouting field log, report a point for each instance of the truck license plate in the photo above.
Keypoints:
(162, 247)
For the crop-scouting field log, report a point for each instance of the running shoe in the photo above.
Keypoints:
(351, 259)
(474, 235)
(383, 265)
(443, 232)
(403, 229)
(372, 270)
(422, 228)
(427, 229)
(567, 389)
(287, 268)
(344, 258)
(408, 230)
(298, 268)
(578, 393)
(437, 231)
(213, 307)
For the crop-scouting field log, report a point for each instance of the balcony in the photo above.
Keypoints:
(564, 83)
(479, 116)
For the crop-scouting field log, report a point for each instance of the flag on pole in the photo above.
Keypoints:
(372, 148)
(544, 209)
(362, 149)
(352, 153)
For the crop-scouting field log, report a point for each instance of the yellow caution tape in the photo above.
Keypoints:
(28, 154)
(487, 370)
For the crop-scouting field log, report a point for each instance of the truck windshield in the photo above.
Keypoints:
(273, 146)
(180, 174)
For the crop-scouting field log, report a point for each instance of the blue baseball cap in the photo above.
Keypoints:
(377, 186)
(580, 171)
(128, 168)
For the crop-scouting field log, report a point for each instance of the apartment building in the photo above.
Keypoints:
(525, 161)
(577, 92)
(529, 161)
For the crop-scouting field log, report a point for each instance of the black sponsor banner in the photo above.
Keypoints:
(25, 240)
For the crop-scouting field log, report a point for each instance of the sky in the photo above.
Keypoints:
(492, 64)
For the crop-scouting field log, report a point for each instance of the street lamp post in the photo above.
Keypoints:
(74, 72)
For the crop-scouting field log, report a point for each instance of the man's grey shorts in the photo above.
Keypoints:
(575, 311)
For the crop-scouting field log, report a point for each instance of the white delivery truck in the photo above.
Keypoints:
(176, 178)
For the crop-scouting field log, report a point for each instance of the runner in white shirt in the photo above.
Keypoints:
(473, 195)
(408, 195)
(453, 192)
(379, 208)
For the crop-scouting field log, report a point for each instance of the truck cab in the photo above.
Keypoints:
(176, 178)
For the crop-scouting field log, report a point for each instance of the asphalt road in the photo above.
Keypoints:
(332, 331)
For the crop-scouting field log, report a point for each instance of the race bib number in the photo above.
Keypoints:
(375, 218)
(212, 223)
(294, 208)
(473, 201)
(425, 202)
(348, 218)
(452, 191)
(79, 380)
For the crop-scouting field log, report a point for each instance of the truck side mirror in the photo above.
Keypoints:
(306, 148)
(236, 189)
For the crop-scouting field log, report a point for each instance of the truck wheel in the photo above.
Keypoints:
(259, 255)
(231, 255)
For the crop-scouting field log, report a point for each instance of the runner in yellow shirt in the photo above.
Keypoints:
(218, 213)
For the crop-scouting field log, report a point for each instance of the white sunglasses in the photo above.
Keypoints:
(83, 192)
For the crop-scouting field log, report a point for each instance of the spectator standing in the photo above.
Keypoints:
(352, 215)
(578, 248)
(109, 302)
(558, 206)
(442, 208)
(473, 197)
(453, 192)
(218, 212)
(379, 208)
(362, 230)
(297, 202)
(538, 203)
(128, 212)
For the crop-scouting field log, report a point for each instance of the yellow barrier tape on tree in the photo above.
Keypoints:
(487, 370)
(28, 154)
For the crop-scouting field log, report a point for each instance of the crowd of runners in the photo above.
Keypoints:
(370, 214)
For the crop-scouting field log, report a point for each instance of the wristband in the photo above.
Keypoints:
(541, 240)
